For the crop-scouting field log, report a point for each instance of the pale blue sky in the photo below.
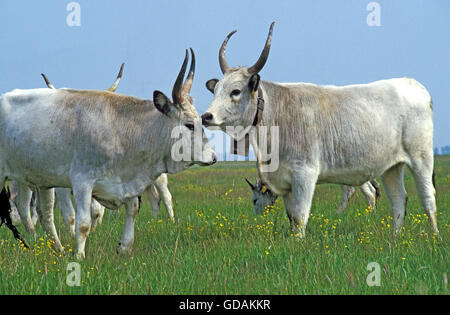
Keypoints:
(322, 42)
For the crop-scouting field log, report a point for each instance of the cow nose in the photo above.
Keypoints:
(214, 158)
(206, 118)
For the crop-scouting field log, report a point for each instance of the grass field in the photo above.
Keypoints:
(217, 245)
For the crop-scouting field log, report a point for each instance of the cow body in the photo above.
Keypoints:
(90, 131)
(82, 138)
(346, 135)
(349, 135)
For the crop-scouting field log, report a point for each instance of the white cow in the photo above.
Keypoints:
(100, 144)
(157, 191)
(328, 134)
(63, 198)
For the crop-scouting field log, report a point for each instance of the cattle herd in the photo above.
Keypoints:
(105, 149)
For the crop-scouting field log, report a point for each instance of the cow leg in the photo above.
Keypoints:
(422, 169)
(287, 199)
(301, 196)
(97, 211)
(393, 184)
(33, 206)
(347, 194)
(162, 186)
(153, 196)
(46, 199)
(23, 200)
(15, 217)
(82, 194)
(64, 201)
(127, 240)
(369, 192)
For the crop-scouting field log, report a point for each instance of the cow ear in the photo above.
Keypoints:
(253, 83)
(162, 102)
(211, 85)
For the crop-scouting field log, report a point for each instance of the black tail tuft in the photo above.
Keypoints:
(377, 188)
(433, 180)
(5, 215)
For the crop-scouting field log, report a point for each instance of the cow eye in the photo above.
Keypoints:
(235, 93)
(190, 126)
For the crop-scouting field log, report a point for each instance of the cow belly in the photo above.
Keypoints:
(350, 178)
(110, 204)
(112, 193)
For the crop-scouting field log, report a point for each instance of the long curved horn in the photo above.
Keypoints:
(49, 85)
(222, 59)
(190, 77)
(264, 55)
(113, 87)
(248, 182)
(176, 91)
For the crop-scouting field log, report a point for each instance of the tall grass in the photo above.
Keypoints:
(217, 246)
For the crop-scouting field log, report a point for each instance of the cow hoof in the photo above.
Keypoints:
(123, 250)
(81, 256)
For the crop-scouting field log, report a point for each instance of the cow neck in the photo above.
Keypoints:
(256, 122)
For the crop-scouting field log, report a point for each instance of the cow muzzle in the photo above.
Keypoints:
(207, 119)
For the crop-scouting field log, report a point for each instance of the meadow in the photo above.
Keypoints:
(218, 246)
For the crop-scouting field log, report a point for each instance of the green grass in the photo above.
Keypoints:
(217, 246)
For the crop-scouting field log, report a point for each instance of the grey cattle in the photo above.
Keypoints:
(100, 144)
(23, 199)
(154, 193)
(329, 134)
(263, 196)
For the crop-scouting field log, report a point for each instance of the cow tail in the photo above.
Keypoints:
(5, 215)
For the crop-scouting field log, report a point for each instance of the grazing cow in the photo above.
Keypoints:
(101, 144)
(263, 196)
(328, 134)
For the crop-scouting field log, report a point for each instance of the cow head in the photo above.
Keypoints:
(234, 102)
(261, 196)
(185, 121)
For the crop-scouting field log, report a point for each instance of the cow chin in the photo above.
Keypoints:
(216, 123)
(211, 158)
(201, 163)
(207, 162)
(213, 125)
